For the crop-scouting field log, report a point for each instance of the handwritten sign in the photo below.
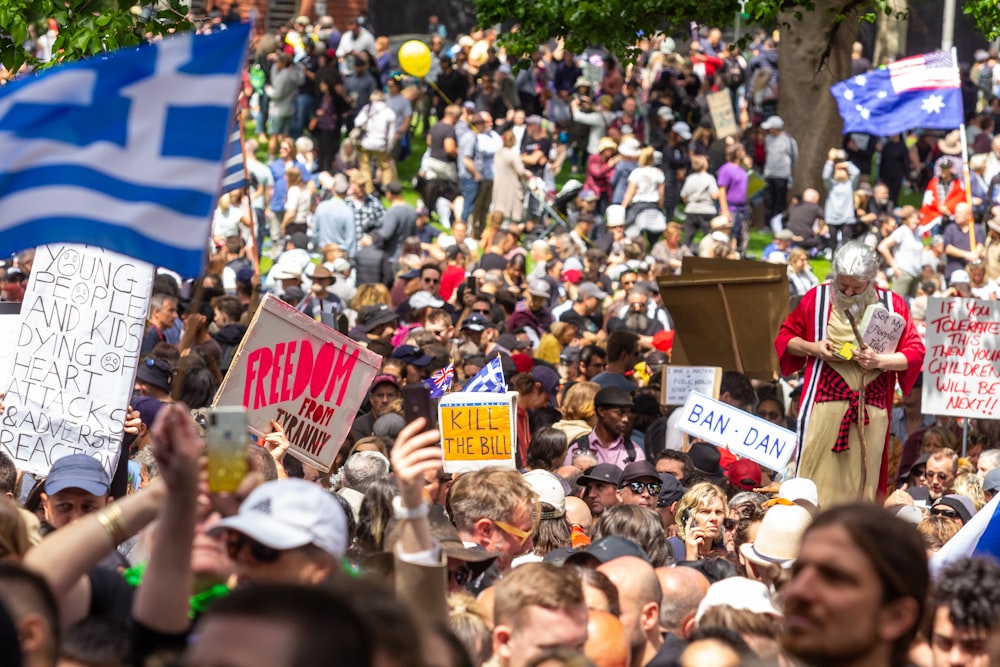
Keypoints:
(740, 432)
(679, 381)
(303, 374)
(477, 430)
(77, 350)
(720, 106)
(962, 365)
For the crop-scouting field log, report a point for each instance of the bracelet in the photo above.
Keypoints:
(407, 513)
(112, 519)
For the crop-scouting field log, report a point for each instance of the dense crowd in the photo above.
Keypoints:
(614, 539)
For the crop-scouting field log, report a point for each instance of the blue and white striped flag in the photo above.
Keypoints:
(123, 151)
(489, 378)
(979, 537)
(235, 175)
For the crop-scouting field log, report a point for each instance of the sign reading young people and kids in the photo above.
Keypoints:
(738, 431)
(962, 366)
(77, 349)
(680, 381)
(303, 374)
(477, 430)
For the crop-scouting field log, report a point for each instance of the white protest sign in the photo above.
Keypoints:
(740, 432)
(679, 381)
(720, 106)
(478, 430)
(303, 374)
(78, 342)
(962, 363)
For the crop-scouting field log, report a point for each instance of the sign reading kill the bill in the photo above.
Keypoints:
(962, 366)
(477, 430)
(77, 349)
(303, 374)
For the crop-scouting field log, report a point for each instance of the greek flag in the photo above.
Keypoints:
(235, 176)
(123, 151)
(489, 379)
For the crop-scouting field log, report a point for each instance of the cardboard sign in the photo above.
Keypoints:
(679, 381)
(740, 432)
(478, 430)
(78, 342)
(303, 374)
(962, 364)
(880, 330)
(720, 105)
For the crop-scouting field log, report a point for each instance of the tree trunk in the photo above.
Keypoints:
(890, 41)
(814, 54)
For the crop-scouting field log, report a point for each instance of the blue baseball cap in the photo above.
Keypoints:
(77, 471)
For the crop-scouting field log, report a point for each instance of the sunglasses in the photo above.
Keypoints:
(937, 475)
(261, 553)
(652, 487)
(461, 576)
(483, 311)
(432, 280)
(951, 514)
(729, 524)
(514, 531)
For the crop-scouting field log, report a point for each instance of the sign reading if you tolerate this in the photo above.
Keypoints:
(738, 431)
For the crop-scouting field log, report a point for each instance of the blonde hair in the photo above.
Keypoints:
(647, 156)
(13, 531)
(578, 403)
(698, 496)
(371, 294)
(935, 531)
(969, 485)
(470, 622)
(699, 162)
(796, 253)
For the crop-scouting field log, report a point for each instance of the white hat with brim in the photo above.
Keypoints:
(780, 535)
(291, 513)
(738, 593)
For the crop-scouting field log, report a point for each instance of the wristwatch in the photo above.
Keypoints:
(406, 513)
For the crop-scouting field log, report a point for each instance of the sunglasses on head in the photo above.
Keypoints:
(652, 487)
(261, 552)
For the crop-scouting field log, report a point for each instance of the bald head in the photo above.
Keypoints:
(709, 652)
(578, 513)
(683, 589)
(811, 196)
(607, 644)
(639, 595)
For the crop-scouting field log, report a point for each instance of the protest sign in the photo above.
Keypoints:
(679, 381)
(720, 106)
(740, 432)
(477, 430)
(303, 374)
(78, 342)
(962, 365)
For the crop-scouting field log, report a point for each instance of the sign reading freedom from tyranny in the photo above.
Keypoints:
(78, 342)
(303, 374)
(962, 366)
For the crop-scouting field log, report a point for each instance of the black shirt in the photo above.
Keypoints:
(438, 134)
(529, 146)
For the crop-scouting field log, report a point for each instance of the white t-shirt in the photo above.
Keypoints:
(647, 184)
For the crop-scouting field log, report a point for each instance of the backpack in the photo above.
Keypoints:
(582, 445)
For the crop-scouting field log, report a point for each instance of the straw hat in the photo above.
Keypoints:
(951, 144)
(779, 536)
(606, 143)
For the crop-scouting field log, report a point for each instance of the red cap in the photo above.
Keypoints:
(523, 363)
(744, 474)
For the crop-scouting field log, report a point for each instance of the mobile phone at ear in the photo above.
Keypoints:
(686, 517)
(417, 403)
(226, 440)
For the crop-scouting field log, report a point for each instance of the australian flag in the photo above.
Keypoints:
(919, 92)
(440, 381)
(489, 378)
(123, 151)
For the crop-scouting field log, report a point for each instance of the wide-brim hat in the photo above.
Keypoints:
(606, 143)
(951, 144)
(780, 535)
(705, 458)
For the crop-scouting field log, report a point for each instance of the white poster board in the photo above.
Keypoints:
(962, 362)
(78, 342)
(478, 430)
(720, 106)
(303, 374)
(738, 431)
(679, 381)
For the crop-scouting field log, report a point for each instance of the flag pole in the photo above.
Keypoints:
(965, 161)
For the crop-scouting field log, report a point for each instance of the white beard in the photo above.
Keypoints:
(854, 306)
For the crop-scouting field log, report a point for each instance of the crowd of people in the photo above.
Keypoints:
(613, 539)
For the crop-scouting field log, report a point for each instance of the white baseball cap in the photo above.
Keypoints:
(738, 593)
(290, 513)
(549, 489)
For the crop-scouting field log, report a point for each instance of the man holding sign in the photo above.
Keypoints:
(845, 463)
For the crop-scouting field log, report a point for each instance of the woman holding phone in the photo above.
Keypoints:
(700, 516)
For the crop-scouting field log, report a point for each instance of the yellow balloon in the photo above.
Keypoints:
(415, 58)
